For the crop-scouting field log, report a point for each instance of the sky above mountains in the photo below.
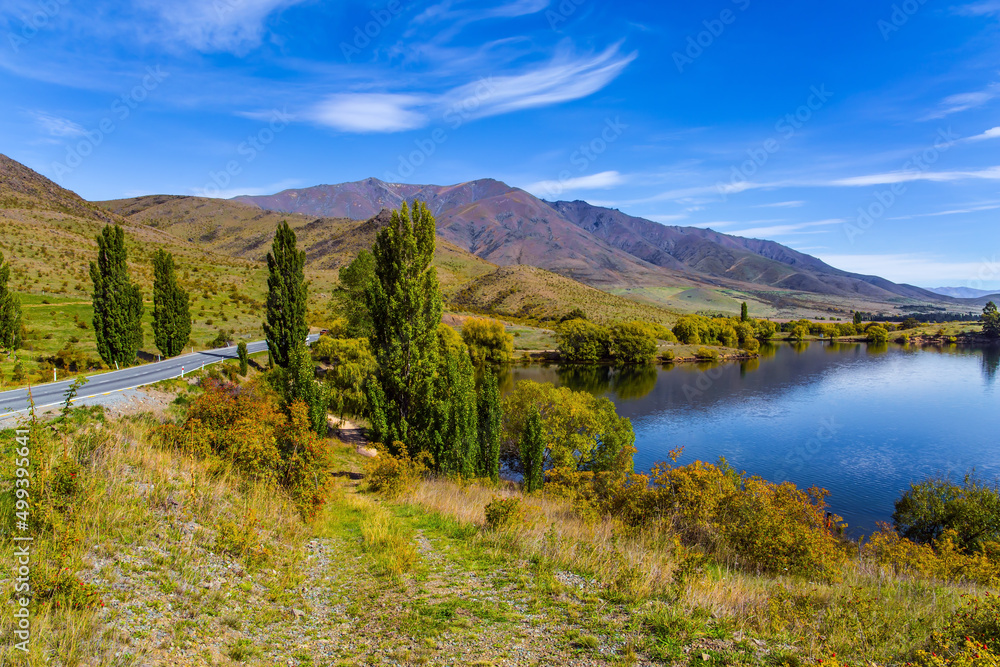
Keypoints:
(865, 133)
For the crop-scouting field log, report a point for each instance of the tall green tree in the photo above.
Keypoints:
(405, 300)
(171, 307)
(285, 326)
(298, 383)
(456, 437)
(241, 351)
(118, 304)
(744, 313)
(348, 299)
(10, 311)
(991, 320)
(857, 318)
(490, 425)
(532, 448)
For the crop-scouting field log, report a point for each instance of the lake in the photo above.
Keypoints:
(860, 422)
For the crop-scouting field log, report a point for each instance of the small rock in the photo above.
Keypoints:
(298, 613)
(706, 657)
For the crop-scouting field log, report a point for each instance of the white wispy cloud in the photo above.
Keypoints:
(57, 126)
(219, 25)
(980, 8)
(914, 268)
(964, 101)
(562, 79)
(782, 204)
(888, 178)
(599, 181)
(992, 133)
(792, 228)
(371, 112)
(954, 211)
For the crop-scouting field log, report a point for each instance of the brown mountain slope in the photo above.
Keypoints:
(245, 231)
(504, 225)
(25, 189)
(527, 291)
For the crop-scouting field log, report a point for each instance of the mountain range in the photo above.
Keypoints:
(598, 246)
(500, 249)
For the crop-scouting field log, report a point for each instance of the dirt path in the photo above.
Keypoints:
(350, 433)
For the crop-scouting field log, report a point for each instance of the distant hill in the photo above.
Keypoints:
(598, 246)
(527, 291)
(245, 231)
(963, 292)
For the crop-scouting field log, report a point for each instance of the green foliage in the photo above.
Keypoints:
(243, 426)
(580, 430)
(118, 305)
(348, 300)
(799, 332)
(503, 513)
(991, 320)
(928, 509)
(761, 526)
(632, 343)
(575, 314)
(285, 326)
(744, 313)
(532, 449)
(10, 311)
(582, 341)
(764, 330)
(706, 354)
(909, 323)
(878, 335)
(241, 351)
(171, 307)
(404, 298)
(352, 366)
(490, 427)
(488, 341)
(455, 438)
(393, 476)
(299, 384)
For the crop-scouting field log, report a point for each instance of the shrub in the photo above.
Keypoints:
(878, 335)
(971, 509)
(502, 513)
(667, 356)
(758, 525)
(580, 430)
(705, 354)
(391, 475)
(488, 341)
(242, 539)
(581, 341)
(971, 638)
(632, 343)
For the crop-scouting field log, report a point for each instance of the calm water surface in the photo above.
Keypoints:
(862, 423)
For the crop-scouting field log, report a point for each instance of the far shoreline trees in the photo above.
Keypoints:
(118, 306)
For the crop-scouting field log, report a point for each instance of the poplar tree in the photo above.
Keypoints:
(456, 442)
(490, 424)
(117, 300)
(10, 311)
(171, 307)
(532, 448)
(241, 350)
(285, 326)
(404, 302)
(744, 313)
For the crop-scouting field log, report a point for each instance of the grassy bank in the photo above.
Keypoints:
(147, 556)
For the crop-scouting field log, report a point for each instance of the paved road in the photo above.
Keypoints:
(53, 393)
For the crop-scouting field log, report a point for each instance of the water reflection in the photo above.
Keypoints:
(899, 413)
(991, 362)
(632, 382)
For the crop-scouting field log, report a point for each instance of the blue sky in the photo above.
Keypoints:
(866, 133)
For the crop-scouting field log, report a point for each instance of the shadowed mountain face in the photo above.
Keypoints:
(595, 245)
